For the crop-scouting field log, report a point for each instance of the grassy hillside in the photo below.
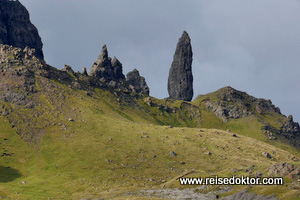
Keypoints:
(112, 146)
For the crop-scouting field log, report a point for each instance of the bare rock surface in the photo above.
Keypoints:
(284, 169)
(16, 28)
(180, 81)
(232, 103)
(137, 83)
(102, 68)
(290, 126)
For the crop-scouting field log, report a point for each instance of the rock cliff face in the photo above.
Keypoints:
(137, 83)
(180, 82)
(16, 28)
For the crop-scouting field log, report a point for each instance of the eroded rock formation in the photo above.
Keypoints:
(137, 83)
(16, 28)
(107, 70)
(180, 81)
(290, 126)
(110, 72)
(117, 69)
(102, 68)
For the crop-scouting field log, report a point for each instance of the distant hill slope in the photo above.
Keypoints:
(29, 85)
(66, 135)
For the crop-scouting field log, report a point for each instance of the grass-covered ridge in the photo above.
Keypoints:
(107, 144)
(66, 135)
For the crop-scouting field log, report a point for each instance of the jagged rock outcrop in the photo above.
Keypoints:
(102, 68)
(290, 126)
(68, 68)
(284, 169)
(281, 169)
(16, 28)
(231, 104)
(107, 70)
(289, 131)
(270, 132)
(117, 69)
(180, 81)
(17, 71)
(235, 104)
(137, 83)
(263, 106)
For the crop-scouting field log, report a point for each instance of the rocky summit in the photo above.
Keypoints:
(180, 82)
(102, 68)
(16, 28)
(110, 72)
(107, 71)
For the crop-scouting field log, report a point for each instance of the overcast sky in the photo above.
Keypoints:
(251, 45)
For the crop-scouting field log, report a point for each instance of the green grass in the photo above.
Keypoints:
(112, 148)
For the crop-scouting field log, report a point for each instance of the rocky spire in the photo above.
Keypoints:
(117, 69)
(180, 81)
(16, 29)
(137, 83)
(102, 68)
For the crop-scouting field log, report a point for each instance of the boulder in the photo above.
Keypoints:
(266, 154)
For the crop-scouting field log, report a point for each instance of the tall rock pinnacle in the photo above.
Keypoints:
(102, 68)
(180, 81)
(16, 29)
(107, 69)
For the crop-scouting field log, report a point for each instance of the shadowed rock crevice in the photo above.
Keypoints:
(180, 81)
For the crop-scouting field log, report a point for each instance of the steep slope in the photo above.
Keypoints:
(254, 117)
(66, 135)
